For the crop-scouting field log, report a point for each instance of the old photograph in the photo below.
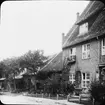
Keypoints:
(52, 52)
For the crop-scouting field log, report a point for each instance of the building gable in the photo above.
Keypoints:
(92, 8)
(97, 29)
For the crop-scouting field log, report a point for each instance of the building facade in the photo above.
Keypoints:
(84, 46)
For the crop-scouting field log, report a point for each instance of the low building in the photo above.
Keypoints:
(54, 65)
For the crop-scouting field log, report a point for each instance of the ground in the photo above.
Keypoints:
(21, 99)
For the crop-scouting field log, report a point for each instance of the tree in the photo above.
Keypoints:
(97, 91)
(2, 68)
(32, 60)
(11, 69)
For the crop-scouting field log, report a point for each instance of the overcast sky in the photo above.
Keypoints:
(31, 25)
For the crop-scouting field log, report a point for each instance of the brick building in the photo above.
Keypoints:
(84, 46)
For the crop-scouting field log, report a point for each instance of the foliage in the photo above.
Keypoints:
(67, 87)
(2, 69)
(53, 83)
(56, 85)
(32, 60)
(41, 75)
(97, 91)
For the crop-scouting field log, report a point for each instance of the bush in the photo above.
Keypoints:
(97, 91)
(67, 87)
(70, 88)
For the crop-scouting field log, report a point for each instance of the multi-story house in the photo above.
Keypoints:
(84, 46)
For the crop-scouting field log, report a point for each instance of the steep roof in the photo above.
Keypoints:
(97, 29)
(70, 34)
(55, 64)
(71, 37)
(90, 10)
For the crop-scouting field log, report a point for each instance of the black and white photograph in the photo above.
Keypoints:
(52, 52)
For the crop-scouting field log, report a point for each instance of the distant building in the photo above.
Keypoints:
(55, 64)
(84, 46)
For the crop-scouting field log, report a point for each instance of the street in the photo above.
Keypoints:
(20, 99)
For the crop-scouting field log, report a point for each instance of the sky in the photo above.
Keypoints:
(32, 25)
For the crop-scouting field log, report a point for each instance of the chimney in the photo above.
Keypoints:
(77, 15)
(63, 38)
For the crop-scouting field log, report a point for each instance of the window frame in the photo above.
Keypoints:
(73, 50)
(103, 46)
(85, 80)
(72, 77)
(83, 28)
(85, 51)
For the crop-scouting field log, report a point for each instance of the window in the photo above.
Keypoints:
(103, 46)
(88, 76)
(86, 51)
(83, 75)
(85, 80)
(83, 29)
(72, 78)
(72, 51)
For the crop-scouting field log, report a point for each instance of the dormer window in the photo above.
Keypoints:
(83, 28)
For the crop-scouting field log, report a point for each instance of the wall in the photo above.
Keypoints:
(86, 65)
(91, 64)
